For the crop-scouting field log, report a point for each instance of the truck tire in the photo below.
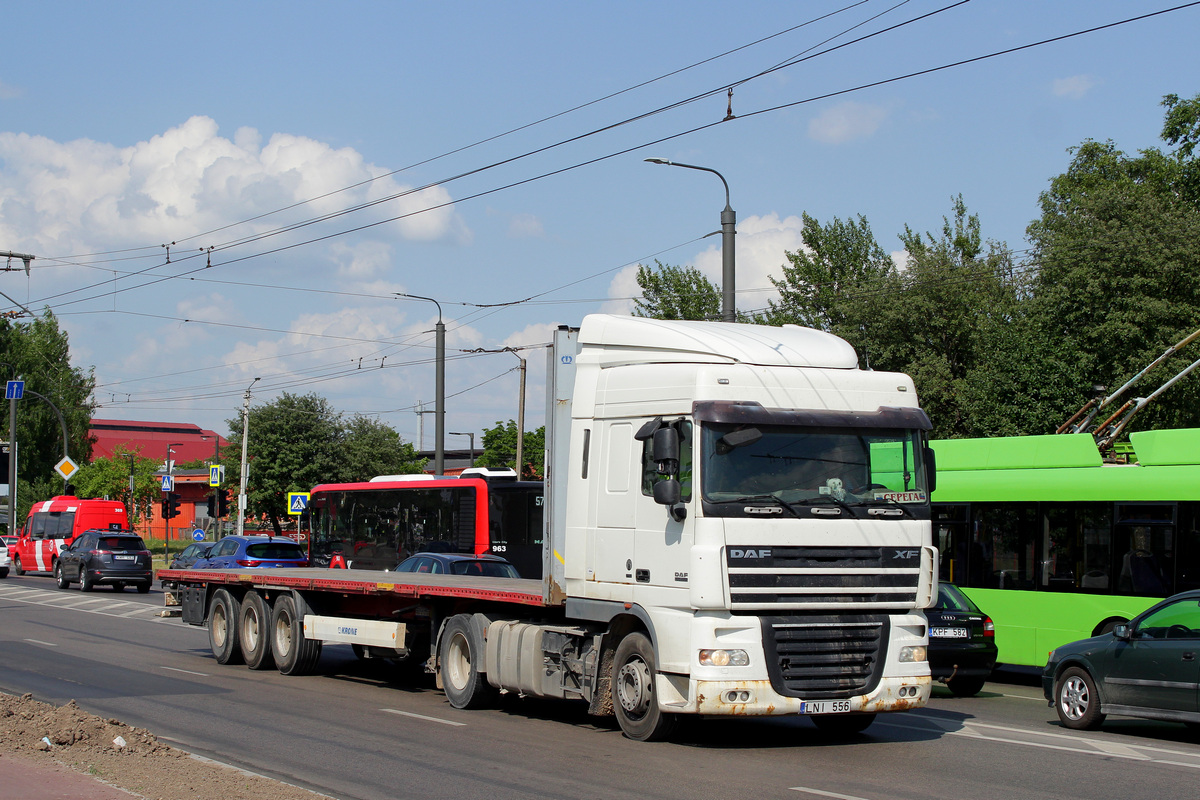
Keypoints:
(254, 631)
(295, 654)
(635, 701)
(222, 628)
(460, 652)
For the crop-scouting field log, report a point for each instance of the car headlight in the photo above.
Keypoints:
(913, 653)
(724, 658)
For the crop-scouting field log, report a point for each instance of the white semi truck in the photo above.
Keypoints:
(736, 521)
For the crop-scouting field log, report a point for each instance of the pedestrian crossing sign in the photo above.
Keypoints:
(297, 502)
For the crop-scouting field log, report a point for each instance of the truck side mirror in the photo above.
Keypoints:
(666, 447)
(931, 469)
(667, 492)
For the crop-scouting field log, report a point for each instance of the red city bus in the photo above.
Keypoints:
(56, 522)
(377, 524)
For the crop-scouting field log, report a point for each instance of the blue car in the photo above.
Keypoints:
(240, 552)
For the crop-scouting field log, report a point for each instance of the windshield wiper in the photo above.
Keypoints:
(776, 499)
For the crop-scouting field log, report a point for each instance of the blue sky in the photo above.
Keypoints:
(486, 154)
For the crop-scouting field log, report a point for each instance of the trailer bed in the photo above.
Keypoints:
(369, 582)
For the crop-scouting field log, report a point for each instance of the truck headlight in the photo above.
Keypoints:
(913, 653)
(724, 658)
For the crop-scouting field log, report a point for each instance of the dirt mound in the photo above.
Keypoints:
(130, 758)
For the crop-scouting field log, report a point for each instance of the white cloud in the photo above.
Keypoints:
(526, 226)
(846, 122)
(1073, 87)
(58, 196)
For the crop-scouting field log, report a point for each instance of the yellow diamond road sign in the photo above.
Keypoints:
(66, 468)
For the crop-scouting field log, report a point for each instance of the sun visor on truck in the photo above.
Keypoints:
(739, 413)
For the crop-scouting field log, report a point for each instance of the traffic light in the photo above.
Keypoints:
(170, 505)
(222, 502)
(212, 505)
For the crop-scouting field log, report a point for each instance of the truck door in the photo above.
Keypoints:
(664, 539)
(613, 537)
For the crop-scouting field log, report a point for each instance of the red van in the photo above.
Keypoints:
(56, 522)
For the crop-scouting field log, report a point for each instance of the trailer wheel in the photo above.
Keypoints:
(634, 700)
(222, 628)
(295, 654)
(254, 625)
(460, 652)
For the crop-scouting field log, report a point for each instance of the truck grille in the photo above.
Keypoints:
(822, 657)
(816, 578)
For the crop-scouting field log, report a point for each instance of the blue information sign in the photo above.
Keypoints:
(198, 535)
(14, 390)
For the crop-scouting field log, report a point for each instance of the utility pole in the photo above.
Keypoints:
(241, 526)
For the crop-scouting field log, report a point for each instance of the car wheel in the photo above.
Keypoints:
(17, 568)
(1076, 700)
(254, 624)
(635, 700)
(965, 687)
(86, 584)
(460, 652)
(222, 627)
(295, 654)
(60, 577)
(143, 588)
(843, 724)
(3, 572)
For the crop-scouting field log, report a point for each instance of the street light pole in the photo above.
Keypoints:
(728, 231)
(439, 414)
(241, 526)
(520, 418)
(61, 422)
(472, 435)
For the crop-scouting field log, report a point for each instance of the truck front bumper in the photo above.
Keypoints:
(759, 698)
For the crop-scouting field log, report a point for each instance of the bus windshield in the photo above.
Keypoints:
(803, 464)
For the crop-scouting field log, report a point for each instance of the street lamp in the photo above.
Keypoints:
(520, 418)
(245, 441)
(439, 414)
(728, 230)
(472, 435)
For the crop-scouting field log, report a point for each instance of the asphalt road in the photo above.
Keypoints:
(353, 732)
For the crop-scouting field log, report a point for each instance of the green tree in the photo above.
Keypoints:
(500, 450)
(109, 477)
(835, 282)
(294, 443)
(1118, 251)
(670, 292)
(374, 448)
(39, 352)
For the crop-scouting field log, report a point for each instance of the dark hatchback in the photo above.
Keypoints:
(115, 558)
(1149, 668)
(190, 555)
(962, 642)
(484, 565)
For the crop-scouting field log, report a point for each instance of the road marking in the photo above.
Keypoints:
(422, 716)
(39, 641)
(807, 790)
(1039, 698)
(86, 602)
(187, 671)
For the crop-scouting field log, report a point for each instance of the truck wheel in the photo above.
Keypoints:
(254, 625)
(63, 583)
(634, 699)
(295, 654)
(222, 628)
(17, 568)
(460, 651)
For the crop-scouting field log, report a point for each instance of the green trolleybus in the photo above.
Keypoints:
(1055, 544)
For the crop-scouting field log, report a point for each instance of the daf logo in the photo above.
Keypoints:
(906, 554)
(750, 553)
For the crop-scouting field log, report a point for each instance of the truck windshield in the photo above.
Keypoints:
(812, 465)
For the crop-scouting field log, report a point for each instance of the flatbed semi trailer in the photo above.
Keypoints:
(736, 522)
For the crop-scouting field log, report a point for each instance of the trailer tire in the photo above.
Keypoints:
(635, 701)
(460, 652)
(254, 631)
(295, 654)
(222, 628)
